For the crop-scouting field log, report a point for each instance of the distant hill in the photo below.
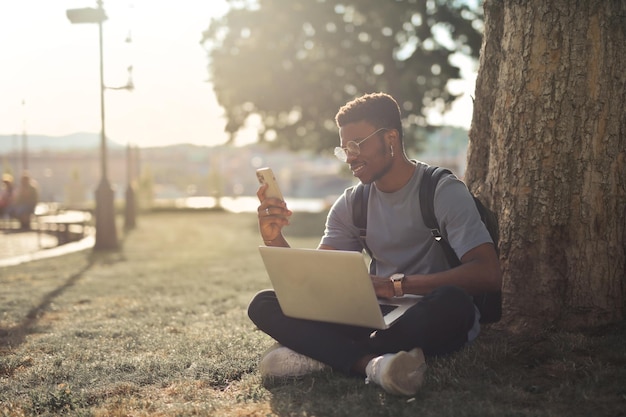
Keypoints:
(447, 140)
(75, 141)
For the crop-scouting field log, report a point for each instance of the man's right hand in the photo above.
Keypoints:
(273, 215)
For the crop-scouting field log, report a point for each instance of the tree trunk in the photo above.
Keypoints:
(548, 153)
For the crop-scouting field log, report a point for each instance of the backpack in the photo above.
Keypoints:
(489, 304)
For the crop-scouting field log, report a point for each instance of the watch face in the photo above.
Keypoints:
(397, 277)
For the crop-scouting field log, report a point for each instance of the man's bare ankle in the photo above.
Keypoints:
(360, 365)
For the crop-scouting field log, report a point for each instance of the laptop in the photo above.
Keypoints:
(330, 286)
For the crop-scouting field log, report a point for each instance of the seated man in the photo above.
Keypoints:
(446, 319)
(24, 201)
(6, 194)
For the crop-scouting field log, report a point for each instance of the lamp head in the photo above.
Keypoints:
(86, 15)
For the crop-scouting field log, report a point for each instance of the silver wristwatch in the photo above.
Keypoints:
(396, 279)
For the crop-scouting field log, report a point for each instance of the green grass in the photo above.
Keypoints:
(159, 328)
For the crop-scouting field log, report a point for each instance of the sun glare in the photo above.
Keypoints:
(50, 81)
(50, 71)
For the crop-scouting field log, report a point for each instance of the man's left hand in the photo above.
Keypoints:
(382, 286)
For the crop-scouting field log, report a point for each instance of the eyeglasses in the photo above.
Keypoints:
(352, 147)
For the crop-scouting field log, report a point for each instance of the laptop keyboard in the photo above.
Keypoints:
(387, 308)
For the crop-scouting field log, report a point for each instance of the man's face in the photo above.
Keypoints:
(373, 160)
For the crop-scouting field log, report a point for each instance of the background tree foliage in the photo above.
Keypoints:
(296, 62)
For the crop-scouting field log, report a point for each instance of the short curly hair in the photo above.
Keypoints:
(379, 109)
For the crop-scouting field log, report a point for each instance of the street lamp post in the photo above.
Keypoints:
(106, 232)
(24, 141)
(130, 208)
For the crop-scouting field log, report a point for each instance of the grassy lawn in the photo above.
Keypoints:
(159, 328)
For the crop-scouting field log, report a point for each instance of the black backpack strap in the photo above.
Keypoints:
(489, 304)
(359, 211)
(359, 217)
(430, 178)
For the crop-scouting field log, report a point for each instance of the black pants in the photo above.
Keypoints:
(438, 324)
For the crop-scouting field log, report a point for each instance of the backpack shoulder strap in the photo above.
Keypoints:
(489, 304)
(359, 211)
(427, 198)
(430, 178)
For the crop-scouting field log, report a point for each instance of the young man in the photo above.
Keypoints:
(443, 321)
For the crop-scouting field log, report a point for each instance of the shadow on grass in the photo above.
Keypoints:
(317, 395)
(15, 335)
(553, 372)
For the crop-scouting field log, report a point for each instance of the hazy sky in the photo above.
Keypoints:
(49, 72)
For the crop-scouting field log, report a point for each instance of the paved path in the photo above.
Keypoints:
(18, 247)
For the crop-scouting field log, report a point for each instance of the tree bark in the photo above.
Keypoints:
(548, 153)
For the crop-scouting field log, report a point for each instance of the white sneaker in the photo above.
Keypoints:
(280, 362)
(399, 373)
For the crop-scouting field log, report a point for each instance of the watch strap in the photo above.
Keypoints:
(397, 279)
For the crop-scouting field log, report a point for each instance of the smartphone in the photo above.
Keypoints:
(266, 176)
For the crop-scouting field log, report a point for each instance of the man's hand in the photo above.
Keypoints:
(383, 287)
(273, 215)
